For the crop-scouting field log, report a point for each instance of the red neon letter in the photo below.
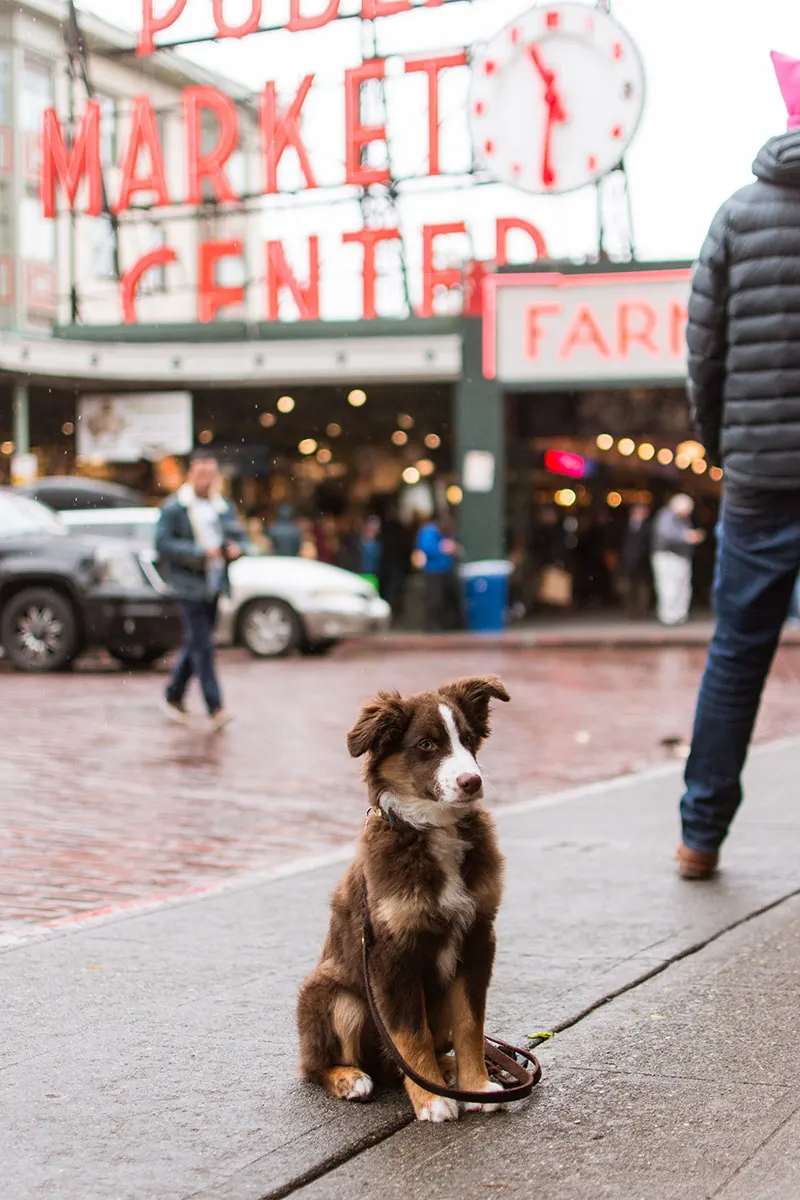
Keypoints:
(143, 132)
(237, 31)
(584, 331)
(370, 9)
(280, 275)
(84, 158)
(504, 227)
(358, 136)
(369, 239)
(533, 330)
(627, 337)
(296, 23)
(434, 280)
(281, 130)
(129, 284)
(210, 296)
(676, 320)
(209, 166)
(152, 25)
(432, 67)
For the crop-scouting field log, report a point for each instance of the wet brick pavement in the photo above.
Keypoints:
(102, 803)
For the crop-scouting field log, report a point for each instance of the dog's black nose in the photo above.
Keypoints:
(470, 784)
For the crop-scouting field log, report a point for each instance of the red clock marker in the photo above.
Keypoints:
(591, 163)
(480, 108)
(489, 67)
(488, 147)
(616, 132)
(617, 50)
(552, 20)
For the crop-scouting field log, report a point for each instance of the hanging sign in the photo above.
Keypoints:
(613, 326)
(532, 77)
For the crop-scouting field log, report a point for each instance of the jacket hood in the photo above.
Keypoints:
(778, 160)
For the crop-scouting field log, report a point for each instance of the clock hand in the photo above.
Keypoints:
(548, 174)
(551, 94)
(555, 113)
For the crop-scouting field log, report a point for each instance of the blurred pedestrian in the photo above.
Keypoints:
(395, 565)
(197, 536)
(327, 539)
(371, 550)
(634, 562)
(673, 545)
(258, 541)
(744, 388)
(284, 533)
(436, 552)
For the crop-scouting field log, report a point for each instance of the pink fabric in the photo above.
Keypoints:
(788, 71)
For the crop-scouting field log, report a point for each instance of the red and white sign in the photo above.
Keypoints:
(621, 326)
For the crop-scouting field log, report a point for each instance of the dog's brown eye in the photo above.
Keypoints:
(426, 745)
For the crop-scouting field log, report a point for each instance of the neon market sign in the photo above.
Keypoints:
(515, 72)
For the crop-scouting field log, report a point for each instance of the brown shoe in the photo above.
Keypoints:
(696, 864)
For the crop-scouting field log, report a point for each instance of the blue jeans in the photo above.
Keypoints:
(758, 558)
(197, 654)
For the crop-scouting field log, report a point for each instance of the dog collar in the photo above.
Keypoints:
(376, 811)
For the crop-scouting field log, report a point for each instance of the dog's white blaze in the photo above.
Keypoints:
(458, 762)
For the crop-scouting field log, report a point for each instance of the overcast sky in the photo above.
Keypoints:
(712, 100)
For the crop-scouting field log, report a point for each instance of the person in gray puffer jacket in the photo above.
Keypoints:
(743, 336)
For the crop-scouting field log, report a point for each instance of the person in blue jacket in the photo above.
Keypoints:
(436, 553)
(197, 536)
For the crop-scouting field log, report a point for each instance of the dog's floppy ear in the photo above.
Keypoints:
(380, 723)
(473, 697)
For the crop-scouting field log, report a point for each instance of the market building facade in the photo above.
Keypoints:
(512, 392)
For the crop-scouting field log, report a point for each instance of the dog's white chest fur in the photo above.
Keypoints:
(455, 904)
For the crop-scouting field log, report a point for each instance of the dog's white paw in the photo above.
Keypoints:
(360, 1088)
(473, 1106)
(439, 1110)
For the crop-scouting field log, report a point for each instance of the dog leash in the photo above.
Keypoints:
(504, 1062)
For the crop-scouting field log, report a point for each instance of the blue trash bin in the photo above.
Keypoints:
(486, 595)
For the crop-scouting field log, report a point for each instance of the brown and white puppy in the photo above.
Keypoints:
(434, 878)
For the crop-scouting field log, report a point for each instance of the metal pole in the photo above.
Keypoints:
(22, 417)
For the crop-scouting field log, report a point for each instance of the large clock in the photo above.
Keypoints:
(555, 98)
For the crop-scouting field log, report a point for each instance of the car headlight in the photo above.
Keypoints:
(332, 597)
(118, 567)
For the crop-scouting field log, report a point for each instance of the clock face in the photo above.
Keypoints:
(555, 98)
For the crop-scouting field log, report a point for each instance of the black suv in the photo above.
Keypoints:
(61, 595)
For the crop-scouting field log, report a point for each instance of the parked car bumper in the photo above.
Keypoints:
(345, 617)
(332, 619)
(126, 619)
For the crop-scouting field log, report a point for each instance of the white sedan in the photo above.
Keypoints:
(276, 604)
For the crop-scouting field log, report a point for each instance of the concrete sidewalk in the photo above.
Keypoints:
(577, 630)
(152, 1056)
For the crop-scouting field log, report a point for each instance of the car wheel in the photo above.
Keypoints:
(269, 628)
(317, 649)
(39, 630)
(137, 657)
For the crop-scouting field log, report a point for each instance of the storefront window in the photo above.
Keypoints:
(108, 130)
(37, 96)
(103, 243)
(5, 87)
(37, 234)
(155, 281)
